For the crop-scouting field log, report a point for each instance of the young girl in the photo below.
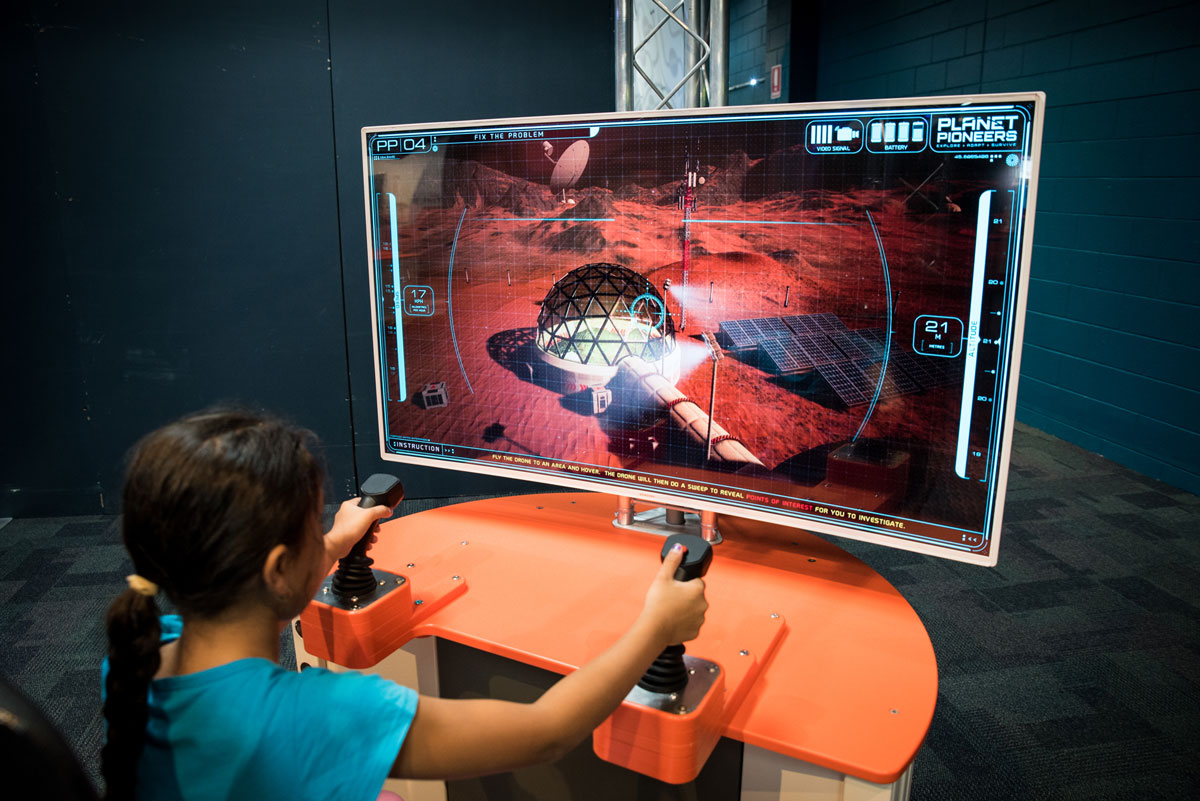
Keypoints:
(222, 513)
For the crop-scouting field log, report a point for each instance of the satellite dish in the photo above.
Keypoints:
(569, 166)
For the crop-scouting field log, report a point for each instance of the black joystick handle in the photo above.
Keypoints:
(354, 577)
(696, 558)
(669, 674)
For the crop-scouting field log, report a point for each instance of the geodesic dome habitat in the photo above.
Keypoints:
(598, 314)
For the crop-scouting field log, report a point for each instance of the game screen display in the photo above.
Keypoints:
(804, 314)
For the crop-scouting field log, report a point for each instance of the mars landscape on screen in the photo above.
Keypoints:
(565, 303)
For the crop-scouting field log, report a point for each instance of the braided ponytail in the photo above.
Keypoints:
(133, 659)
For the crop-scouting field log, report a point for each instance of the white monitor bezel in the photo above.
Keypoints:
(1038, 99)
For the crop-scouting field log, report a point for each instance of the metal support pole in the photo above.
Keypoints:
(623, 45)
(624, 510)
(718, 59)
(714, 350)
(692, 10)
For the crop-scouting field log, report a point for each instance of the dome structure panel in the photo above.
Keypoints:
(600, 314)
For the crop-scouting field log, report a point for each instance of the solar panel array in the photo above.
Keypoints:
(820, 349)
(772, 327)
(850, 344)
(847, 382)
(735, 335)
(788, 356)
(874, 340)
(814, 323)
(848, 361)
(748, 334)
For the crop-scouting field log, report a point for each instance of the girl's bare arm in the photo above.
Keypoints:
(460, 738)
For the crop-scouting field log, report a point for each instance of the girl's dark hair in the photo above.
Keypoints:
(206, 499)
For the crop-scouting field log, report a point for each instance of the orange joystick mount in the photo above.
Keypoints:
(671, 720)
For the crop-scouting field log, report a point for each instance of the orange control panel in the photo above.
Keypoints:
(816, 656)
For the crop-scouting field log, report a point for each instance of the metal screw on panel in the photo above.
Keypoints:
(381, 583)
(412, 564)
(774, 615)
(354, 598)
(683, 710)
(455, 578)
(812, 560)
(743, 652)
(464, 542)
(418, 602)
(691, 671)
(895, 711)
(713, 668)
(324, 589)
(674, 696)
(541, 507)
(399, 581)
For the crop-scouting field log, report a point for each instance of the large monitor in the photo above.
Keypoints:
(804, 314)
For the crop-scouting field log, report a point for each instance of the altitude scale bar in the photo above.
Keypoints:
(974, 322)
(397, 297)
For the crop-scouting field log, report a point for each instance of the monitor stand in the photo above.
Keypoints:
(667, 520)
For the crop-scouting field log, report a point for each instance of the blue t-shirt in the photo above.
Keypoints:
(250, 729)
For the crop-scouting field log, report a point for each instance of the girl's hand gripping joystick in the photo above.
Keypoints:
(668, 674)
(354, 577)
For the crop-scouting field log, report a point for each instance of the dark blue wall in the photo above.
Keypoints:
(176, 240)
(1111, 359)
(186, 198)
(760, 36)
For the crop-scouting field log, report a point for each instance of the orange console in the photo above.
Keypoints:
(806, 652)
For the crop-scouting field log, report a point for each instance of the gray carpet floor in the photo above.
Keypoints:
(1070, 671)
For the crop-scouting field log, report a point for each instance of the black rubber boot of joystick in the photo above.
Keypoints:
(669, 674)
(354, 577)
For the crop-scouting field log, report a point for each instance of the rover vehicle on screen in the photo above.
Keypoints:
(807, 314)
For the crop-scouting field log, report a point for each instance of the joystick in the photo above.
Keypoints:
(360, 615)
(354, 577)
(669, 674)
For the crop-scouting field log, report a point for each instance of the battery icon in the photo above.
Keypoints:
(918, 131)
(902, 132)
(889, 132)
(877, 132)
